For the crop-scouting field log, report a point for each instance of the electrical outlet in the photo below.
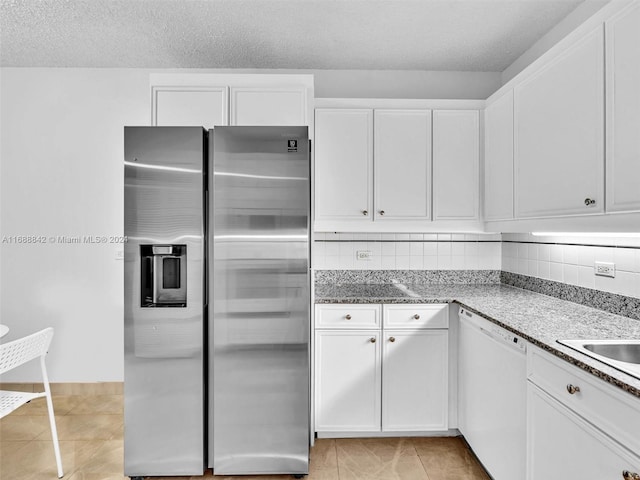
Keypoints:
(364, 255)
(605, 269)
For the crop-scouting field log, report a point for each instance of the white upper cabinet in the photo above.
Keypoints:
(211, 100)
(402, 159)
(190, 106)
(498, 159)
(456, 139)
(559, 134)
(268, 106)
(623, 110)
(344, 164)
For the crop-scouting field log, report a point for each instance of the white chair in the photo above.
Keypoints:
(19, 352)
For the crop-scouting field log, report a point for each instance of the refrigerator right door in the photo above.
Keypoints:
(260, 296)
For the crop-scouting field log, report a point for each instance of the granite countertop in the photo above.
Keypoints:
(538, 318)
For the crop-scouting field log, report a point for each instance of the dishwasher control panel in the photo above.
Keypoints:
(509, 337)
(494, 330)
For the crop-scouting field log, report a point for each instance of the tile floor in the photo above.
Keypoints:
(90, 429)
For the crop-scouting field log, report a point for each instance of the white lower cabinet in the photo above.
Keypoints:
(414, 380)
(381, 380)
(564, 445)
(577, 425)
(347, 380)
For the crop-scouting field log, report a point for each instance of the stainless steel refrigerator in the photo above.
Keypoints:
(217, 300)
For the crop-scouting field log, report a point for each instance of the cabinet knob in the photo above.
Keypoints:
(381, 212)
(589, 201)
(573, 389)
(365, 213)
(627, 475)
(392, 339)
(372, 339)
(347, 316)
(416, 316)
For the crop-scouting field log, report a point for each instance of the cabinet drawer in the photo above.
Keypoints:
(416, 316)
(347, 316)
(609, 408)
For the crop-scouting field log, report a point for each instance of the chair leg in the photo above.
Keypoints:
(52, 419)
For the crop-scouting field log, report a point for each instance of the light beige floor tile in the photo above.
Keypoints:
(378, 459)
(36, 459)
(437, 445)
(323, 454)
(98, 388)
(90, 429)
(97, 404)
(87, 427)
(400, 468)
(324, 473)
(108, 459)
(95, 476)
(62, 404)
(22, 427)
(448, 459)
(464, 473)
(381, 449)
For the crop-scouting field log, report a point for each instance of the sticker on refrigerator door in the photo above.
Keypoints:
(292, 146)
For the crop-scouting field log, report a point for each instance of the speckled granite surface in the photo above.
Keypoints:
(609, 302)
(414, 277)
(540, 319)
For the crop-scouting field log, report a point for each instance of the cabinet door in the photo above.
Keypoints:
(268, 106)
(498, 159)
(344, 164)
(455, 164)
(415, 380)
(623, 111)
(189, 106)
(559, 134)
(402, 160)
(347, 387)
(561, 444)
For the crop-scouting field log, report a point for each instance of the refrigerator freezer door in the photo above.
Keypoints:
(260, 299)
(164, 341)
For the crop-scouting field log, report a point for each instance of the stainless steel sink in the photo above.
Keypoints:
(623, 355)
(623, 352)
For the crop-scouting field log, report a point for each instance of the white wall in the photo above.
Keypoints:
(553, 36)
(385, 83)
(62, 174)
(61, 150)
(405, 84)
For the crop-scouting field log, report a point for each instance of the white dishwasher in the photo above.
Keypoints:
(492, 394)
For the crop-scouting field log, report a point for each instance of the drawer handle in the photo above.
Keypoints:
(372, 339)
(365, 213)
(381, 212)
(627, 475)
(347, 316)
(416, 316)
(589, 202)
(392, 339)
(572, 389)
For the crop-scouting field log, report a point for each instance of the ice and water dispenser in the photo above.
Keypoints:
(163, 275)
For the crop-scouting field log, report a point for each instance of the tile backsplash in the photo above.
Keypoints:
(407, 251)
(571, 260)
(564, 259)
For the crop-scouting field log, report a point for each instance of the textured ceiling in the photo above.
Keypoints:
(465, 35)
